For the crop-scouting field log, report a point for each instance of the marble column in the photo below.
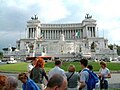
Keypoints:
(55, 34)
(70, 34)
(50, 33)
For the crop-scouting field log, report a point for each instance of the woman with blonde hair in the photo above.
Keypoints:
(104, 73)
(72, 78)
(38, 73)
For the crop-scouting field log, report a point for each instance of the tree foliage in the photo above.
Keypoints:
(6, 49)
(118, 48)
(110, 46)
(1, 55)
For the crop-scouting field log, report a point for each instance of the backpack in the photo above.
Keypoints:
(93, 79)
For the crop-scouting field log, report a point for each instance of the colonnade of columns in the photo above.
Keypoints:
(32, 32)
(91, 32)
(55, 34)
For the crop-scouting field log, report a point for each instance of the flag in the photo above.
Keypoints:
(77, 34)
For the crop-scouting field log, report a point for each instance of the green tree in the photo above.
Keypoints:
(5, 49)
(110, 46)
(118, 50)
(1, 55)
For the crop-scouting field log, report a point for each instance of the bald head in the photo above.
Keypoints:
(11, 83)
(57, 82)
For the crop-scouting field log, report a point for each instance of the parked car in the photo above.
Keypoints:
(3, 61)
(105, 59)
(11, 62)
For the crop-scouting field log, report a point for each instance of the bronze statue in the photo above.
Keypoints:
(88, 16)
(34, 18)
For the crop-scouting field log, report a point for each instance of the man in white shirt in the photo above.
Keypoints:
(84, 75)
(56, 70)
(32, 64)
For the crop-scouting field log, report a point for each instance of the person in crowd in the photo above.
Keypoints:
(104, 73)
(32, 64)
(72, 78)
(28, 84)
(2, 82)
(84, 75)
(90, 67)
(57, 82)
(38, 73)
(11, 83)
(56, 69)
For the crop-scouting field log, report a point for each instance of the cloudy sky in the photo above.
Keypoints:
(15, 13)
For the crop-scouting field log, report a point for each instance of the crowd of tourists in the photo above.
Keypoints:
(57, 78)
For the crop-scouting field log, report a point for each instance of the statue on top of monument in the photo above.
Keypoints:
(87, 16)
(34, 18)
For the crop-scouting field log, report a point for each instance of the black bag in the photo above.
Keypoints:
(31, 75)
(70, 76)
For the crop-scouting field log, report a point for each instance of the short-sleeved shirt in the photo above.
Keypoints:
(30, 67)
(74, 79)
(56, 70)
(84, 76)
(104, 71)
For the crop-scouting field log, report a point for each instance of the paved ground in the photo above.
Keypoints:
(114, 81)
(115, 78)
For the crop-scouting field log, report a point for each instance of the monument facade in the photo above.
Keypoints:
(62, 40)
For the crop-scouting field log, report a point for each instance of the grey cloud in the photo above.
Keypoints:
(8, 37)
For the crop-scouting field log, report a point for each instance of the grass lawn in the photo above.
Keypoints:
(18, 67)
(111, 66)
(22, 66)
